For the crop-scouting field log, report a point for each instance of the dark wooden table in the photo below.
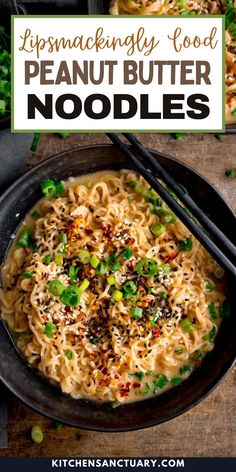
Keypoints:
(209, 429)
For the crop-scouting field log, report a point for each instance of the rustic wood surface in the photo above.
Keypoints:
(209, 429)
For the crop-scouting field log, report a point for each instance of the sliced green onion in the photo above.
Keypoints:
(113, 404)
(129, 289)
(27, 275)
(208, 286)
(140, 189)
(73, 271)
(71, 296)
(196, 355)
(179, 136)
(94, 261)
(139, 375)
(136, 312)
(84, 285)
(157, 229)
(127, 253)
(56, 287)
(101, 268)
(63, 134)
(111, 280)
(220, 137)
(113, 263)
(160, 383)
(35, 215)
(60, 188)
(47, 259)
(147, 267)
(57, 425)
(186, 244)
(179, 351)
(231, 172)
(132, 183)
(59, 261)
(154, 319)
(166, 216)
(96, 340)
(212, 311)
(163, 295)
(36, 434)
(84, 256)
(187, 326)
(164, 268)
(48, 187)
(147, 389)
(176, 380)
(224, 309)
(50, 329)
(211, 335)
(69, 354)
(184, 369)
(25, 238)
(63, 238)
(117, 295)
(152, 197)
(35, 141)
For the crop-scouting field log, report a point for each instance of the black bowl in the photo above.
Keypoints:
(47, 399)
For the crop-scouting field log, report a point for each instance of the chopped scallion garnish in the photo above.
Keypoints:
(117, 295)
(187, 326)
(136, 312)
(36, 434)
(27, 275)
(113, 263)
(84, 256)
(50, 329)
(69, 354)
(56, 287)
(186, 244)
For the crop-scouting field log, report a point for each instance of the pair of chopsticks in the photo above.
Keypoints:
(205, 230)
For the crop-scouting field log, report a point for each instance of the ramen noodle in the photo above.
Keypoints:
(107, 292)
(184, 7)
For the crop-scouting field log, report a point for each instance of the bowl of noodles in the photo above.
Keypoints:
(185, 8)
(113, 317)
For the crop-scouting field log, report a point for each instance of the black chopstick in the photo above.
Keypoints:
(220, 238)
(190, 223)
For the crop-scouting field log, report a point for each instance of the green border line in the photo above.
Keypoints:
(13, 130)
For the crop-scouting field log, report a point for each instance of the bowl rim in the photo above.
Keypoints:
(149, 423)
(53, 157)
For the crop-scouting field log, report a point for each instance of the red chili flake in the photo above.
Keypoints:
(130, 265)
(129, 241)
(136, 385)
(104, 383)
(93, 356)
(198, 363)
(156, 333)
(104, 370)
(124, 389)
(171, 257)
(135, 249)
(88, 231)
